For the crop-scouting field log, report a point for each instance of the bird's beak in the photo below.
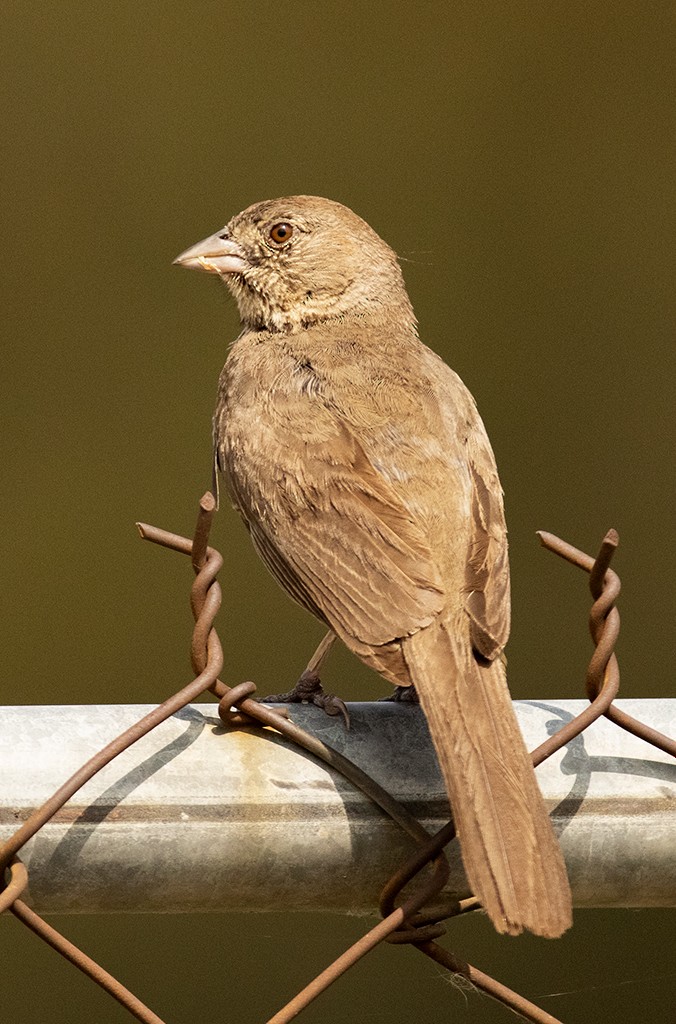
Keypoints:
(216, 255)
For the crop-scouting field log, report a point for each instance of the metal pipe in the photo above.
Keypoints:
(197, 817)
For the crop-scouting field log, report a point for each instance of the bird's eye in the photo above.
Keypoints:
(280, 233)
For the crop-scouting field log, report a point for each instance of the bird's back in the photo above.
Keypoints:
(290, 407)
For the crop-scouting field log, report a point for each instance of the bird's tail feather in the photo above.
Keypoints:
(512, 859)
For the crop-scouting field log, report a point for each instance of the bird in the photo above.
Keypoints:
(362, 470)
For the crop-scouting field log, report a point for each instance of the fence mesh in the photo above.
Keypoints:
(418, 918)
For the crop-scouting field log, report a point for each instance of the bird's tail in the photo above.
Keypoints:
(512, 859)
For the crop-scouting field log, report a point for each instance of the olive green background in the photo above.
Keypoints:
(519, 157)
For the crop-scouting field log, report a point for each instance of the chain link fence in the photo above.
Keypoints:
(415, 917)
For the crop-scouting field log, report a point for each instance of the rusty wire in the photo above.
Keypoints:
(417, 919)
(209, 564)
(603, 673)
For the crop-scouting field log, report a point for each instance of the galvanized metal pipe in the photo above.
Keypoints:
(195, 817)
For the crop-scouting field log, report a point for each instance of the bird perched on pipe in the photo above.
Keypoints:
(362, 470)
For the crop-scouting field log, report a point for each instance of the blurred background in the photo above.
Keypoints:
(520, 159)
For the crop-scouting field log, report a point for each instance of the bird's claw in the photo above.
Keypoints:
(309, 690)
(403, 695)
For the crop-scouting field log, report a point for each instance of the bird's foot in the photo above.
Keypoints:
(403, 695)
(309, 690)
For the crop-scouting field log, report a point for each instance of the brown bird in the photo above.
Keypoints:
(362, 470)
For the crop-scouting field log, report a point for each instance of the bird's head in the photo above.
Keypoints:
(300, 260)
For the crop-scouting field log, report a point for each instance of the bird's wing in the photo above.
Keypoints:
(338, 540)
(488, 601)
(486, 582)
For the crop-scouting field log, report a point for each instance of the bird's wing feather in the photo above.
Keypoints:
(488, 602)
(487, 566)
(339, 540)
